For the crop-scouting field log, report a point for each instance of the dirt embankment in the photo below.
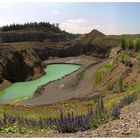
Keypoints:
(18, 65)
(94, 43)
(122, 75)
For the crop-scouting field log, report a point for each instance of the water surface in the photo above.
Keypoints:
(22, 90)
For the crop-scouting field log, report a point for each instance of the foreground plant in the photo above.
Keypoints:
(70, 123)
(116, 110)
(102, 115)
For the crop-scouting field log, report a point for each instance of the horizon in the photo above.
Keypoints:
(108, 18)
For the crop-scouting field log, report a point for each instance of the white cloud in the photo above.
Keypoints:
(96, 26)
(77, 21)
(77, 26)
(56, 13)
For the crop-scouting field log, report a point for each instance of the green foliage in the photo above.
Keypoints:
(123, 44)
(130, 44)
(137, 44)
(102, 70)
(32, 25)
(120, 85)
(116, 110)
(15, 129)
(101, 112)
(138, 57)
(125, 59)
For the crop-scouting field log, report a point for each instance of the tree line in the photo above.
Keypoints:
(32, 25)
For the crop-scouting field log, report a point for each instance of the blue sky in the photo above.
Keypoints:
(110, 18)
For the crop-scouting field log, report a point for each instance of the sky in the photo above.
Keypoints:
(109, 18)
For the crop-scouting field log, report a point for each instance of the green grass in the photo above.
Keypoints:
(112, 99)
(121, 86)
(137, 44)
(125, 58)
(138, 57)
(99, 75)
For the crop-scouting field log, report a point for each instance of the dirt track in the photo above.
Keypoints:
(77, 84)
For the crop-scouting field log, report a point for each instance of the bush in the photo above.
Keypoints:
(130, 44)
(120, 85)
(137, 44)
(102, 70)
(138, 57)
(123, 44)
(116, 110)
(101, 112)
(125, 59)
(70, 123)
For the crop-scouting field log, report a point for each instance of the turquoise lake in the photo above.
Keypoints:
(23, 90)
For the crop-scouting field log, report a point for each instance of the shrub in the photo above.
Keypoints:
(116, 110)
(102, 70)
(120, 85)
(70, 123)
(125, 59)
(101, 112)
(130, 44)
(123, 44)
(137, 44)
(138, 57)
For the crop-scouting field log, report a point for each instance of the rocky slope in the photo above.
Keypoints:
(128, 75)
(97, 44)
(19, 65)
(127, 126)
(47, 44)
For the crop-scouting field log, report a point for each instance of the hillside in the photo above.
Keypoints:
(95, 98)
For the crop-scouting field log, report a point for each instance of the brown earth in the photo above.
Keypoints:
(129, 74)
(94, 43)
(18, 65)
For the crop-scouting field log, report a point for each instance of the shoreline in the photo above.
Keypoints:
(61, 90)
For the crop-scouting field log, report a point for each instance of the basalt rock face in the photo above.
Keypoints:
(19, 65)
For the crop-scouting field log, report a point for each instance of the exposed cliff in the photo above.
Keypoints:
(61, 44)
(19, 65)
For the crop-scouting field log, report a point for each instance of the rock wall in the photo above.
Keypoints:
(19, 65)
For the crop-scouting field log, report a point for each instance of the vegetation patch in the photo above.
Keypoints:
(116, 111)
(99, 75)
(121, 86)
(137, 44)
(130, 44)
(125, 58)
